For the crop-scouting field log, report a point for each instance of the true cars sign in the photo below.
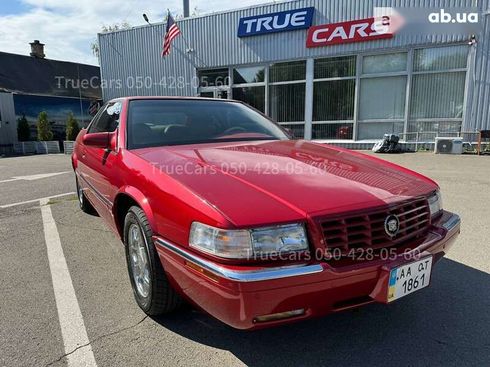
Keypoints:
(351, 31)
(276, 22)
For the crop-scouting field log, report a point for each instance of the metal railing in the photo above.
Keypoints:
(68, 147)
(430, 136)
(36, 147)
(415, 141)
(426, 139)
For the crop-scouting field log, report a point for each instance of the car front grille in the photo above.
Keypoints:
(367, 229)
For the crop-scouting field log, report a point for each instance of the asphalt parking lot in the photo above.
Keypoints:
(446, 324)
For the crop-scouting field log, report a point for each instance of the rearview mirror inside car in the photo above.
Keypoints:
(289, 132)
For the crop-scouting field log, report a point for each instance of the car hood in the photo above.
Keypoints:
(278, 181)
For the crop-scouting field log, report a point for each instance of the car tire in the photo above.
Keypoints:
(84, 204)
(151, 288)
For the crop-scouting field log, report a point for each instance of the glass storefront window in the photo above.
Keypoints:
(298, 130)
(442, 128)
(333, 131)
(383, 98)
(438, 91)
(386, 63)
(206, 94)
(376, 130)
(441, 58)
(340, 87)
(335, 67)
(287, 102)
(213, 78)
(333, 100)
(287, 71)
(253, 74)
(254, 96)
(437, 95)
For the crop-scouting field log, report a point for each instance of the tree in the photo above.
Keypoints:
(44, 132)
(23, 129)
(107, 29)
(72, 128)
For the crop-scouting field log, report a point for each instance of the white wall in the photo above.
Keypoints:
(8, 124)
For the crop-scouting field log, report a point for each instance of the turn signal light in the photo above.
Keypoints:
(203, 271)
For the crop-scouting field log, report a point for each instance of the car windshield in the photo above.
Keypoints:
(154, 122)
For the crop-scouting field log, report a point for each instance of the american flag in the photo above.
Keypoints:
(172, 32)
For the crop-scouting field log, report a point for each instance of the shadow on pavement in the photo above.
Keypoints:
(445, 324)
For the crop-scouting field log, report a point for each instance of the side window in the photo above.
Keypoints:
(107, 120)
(95, 119)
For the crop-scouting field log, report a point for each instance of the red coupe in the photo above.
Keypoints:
(218, 205)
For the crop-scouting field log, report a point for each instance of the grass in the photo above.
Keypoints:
(62, 199)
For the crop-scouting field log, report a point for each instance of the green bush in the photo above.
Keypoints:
(44, 132)
(72, 128)
(23, 129)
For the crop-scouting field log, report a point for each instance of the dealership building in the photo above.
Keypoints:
(330, 70)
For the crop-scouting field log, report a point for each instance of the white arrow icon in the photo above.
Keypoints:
(396, 19)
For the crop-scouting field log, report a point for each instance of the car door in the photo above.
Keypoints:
(97, 164)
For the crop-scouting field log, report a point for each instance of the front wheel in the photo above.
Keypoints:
(151, 288)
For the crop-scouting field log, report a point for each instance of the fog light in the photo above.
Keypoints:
(280, 315)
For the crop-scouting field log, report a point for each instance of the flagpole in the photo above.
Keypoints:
(190, 49)
(186, 42)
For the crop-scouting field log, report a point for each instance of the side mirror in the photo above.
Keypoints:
(100, 140)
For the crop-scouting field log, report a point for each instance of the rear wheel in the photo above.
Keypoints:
(151, 288)
(82, 200)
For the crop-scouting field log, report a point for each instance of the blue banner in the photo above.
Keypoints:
(276, 22)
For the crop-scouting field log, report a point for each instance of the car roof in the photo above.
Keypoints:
(135, 98)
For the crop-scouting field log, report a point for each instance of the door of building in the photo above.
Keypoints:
(214, 92)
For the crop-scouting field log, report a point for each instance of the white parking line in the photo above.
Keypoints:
(34, 177)
(36, 200)
(9, 180)
(71, 321)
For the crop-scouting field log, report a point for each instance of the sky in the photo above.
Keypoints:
(69, 27)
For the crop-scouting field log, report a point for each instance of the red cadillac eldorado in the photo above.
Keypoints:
(218, 205)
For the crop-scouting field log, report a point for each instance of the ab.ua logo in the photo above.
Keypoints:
(444, 17)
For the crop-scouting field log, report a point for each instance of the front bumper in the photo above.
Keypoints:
(239, 295)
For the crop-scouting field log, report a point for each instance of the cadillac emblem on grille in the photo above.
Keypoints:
(392, 225)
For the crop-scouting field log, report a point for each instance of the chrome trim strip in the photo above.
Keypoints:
(416, 209)
(416, 224)
(452, 222)
(101, 197)
(242, 275)
(415, 217)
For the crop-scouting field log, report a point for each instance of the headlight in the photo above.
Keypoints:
(243, 244)
(435, 203)
(220, 242)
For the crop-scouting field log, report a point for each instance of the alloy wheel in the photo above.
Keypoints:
(138, 256)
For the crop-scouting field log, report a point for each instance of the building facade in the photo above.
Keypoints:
(345, 89)
(32, 84)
